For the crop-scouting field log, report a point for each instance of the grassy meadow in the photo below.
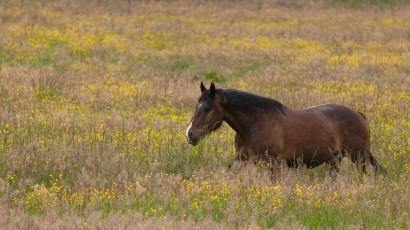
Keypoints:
(95, 99)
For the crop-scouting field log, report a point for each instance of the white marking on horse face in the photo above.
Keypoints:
(190, 125)
(187, 130)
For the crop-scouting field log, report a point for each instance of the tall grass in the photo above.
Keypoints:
(95, 99)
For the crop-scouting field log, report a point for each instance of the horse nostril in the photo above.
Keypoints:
(192, 138)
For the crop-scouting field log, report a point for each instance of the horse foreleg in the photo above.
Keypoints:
(239, 150)
(333, 164)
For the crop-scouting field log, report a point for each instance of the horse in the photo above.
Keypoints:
(268, 130)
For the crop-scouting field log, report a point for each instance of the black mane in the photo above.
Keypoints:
(249, 102)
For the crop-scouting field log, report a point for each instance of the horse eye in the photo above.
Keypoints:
(207, 109)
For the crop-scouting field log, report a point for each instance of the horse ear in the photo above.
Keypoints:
(212, 90)
(203, 89)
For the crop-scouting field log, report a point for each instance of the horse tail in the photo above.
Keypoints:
(367, 124)
(362, 115)
(378, 167)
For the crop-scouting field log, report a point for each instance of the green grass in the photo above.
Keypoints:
(95, 99)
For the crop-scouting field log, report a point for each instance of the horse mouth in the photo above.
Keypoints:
(193, 142)
(194, 139)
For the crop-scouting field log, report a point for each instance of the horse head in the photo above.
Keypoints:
(208, 115)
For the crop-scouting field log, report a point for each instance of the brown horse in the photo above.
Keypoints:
(268, 130)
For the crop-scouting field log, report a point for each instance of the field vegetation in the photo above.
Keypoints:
(95, 98)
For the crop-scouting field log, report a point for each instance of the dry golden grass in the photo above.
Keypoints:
(95, 99)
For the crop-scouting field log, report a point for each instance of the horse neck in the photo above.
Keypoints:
(242, 121)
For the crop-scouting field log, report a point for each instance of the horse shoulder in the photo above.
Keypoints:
(271, 134)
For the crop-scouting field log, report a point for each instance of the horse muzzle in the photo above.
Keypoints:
(194, 138)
